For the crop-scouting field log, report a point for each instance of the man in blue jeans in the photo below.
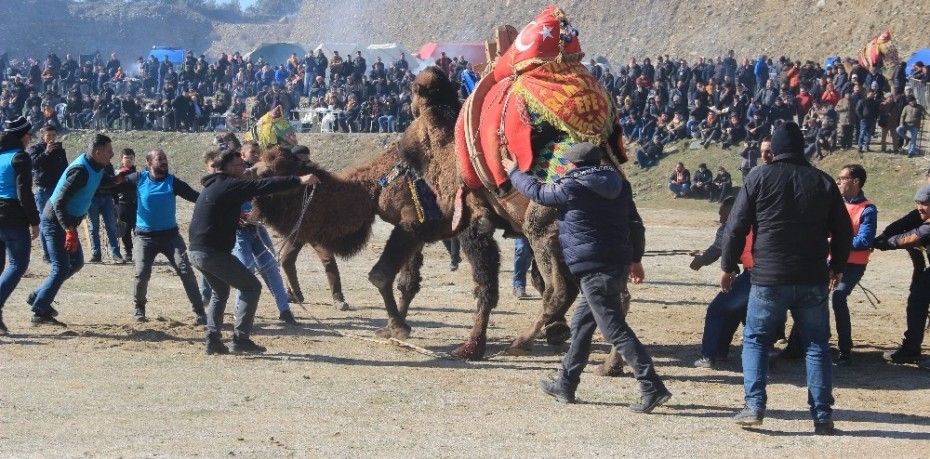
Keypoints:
(58, 227)
(48, 163)
(798, 219)
(522, 259)
(102, 206)
(594, 203)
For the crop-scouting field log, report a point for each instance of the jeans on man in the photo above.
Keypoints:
(15, 245)
(768, 308)
(222, 270)
(724, 314)
(851, 276)
(102, 205)
(64, 265)
(522, 259)
(866, 130)
(600, 308)
(42, 195)
(680, 189)
(256, 251)
(171, 245)
(918, 302)
(911, 132)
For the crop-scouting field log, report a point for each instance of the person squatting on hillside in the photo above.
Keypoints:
(799, 220)
(19, 219)
(212, 237)
(912, 233)
(63, 213)
(157, 231)
(594, 203)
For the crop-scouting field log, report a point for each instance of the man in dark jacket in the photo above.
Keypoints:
(798, 218)
(867, 111)
(212, 235)
(912, 233)
(48, 163)
(594, 204)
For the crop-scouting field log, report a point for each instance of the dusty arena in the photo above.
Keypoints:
(107, 386)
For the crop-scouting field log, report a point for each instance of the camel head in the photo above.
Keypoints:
(432, 89)
(279, 161)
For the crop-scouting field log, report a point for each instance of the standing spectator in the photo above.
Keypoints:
(799, 219)
(761, 72)
(19, 220)
(126, 197)
(103, 206)
(48, 163)
(847, 117)
(911, 117)
(679, 183)
(867, 111)
(444, 63)
(595, 204)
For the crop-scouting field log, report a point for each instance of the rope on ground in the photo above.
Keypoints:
(871, 296)
(667, 253)
(390, 341)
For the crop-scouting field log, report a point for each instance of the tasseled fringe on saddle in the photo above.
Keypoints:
(425, 200)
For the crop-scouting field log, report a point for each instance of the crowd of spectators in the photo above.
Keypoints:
(198, 94)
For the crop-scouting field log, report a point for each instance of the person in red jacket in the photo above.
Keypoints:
(804, 102)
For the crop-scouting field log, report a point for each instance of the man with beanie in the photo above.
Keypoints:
(798, 219)
(912, 233)
(19, 220)
(63, 213)
(212, 236)
(594, 203)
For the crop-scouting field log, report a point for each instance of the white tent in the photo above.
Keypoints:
(388, 52)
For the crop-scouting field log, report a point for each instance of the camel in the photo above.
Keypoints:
(343, 208)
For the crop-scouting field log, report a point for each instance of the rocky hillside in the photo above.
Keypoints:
(616, 29)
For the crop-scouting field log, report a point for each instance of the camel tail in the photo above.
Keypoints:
(350, 245)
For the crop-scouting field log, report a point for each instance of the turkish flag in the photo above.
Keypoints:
(541, 40)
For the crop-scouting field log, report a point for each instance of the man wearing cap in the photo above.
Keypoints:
(912, 233)
(19, 220)
(595, 204)
(65, 209)
(798, 218)
(911, 117)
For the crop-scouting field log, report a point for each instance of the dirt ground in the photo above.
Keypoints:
(107, 386)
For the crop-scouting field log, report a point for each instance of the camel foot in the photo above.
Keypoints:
(473, 349)
(295, 297)
(396, 331)
(341, 305)
(612, 366)
(558, 333)
(520, 347)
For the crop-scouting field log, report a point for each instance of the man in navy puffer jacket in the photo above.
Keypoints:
(594, 204)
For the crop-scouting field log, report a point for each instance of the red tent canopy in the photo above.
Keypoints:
(473, 52)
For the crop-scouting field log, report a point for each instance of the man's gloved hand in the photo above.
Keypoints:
(71, 240)
(882, 244)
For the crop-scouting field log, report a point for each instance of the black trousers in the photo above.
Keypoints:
(600, 308)
(126, 214)
(918, 304)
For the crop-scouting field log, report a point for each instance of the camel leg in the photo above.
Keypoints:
(400, 246)
(409, 281)
(537, 279)
(289, 253)
(328, 260)
(485, 259)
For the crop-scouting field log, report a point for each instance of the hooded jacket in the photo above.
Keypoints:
(595, 204)
(798, 217)
(216, 213)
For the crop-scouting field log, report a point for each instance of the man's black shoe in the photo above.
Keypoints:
(140, 315)
(558, 391)
(843, 359)
(748, 417)
(246, 346)
(705, 362)
(38, 321)
(94, 259)
(824, 428)
(31, 298)
(201, 319)
(902, 355)
(287, 317)
(215, 346)
(649, 402)
(3, 329)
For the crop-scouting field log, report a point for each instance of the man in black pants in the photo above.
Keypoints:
(212, 237)
(594, 203)
(126, 203)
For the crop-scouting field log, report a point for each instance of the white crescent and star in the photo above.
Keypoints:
(519, 44)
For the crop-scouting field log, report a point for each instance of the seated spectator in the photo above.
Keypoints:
(679, 183)
(648, 155)
(709, 131)
(720, 187)
(674, 130)
(734, 133)
(701, 180)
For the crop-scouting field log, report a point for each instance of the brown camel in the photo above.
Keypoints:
(340, 215)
